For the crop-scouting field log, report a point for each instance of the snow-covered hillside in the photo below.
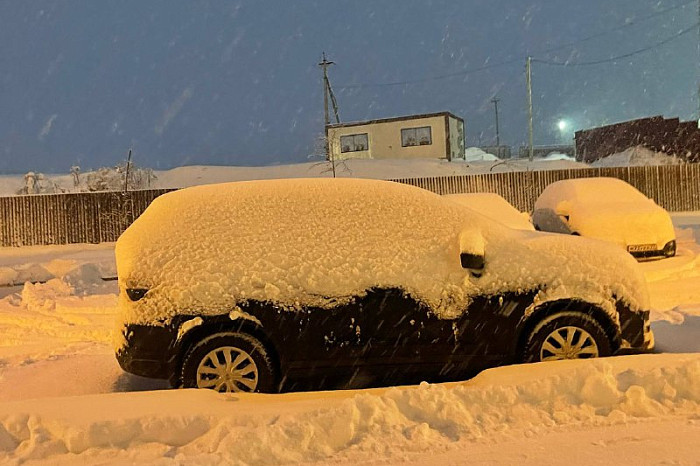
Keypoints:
(193, 175)
(477, 162)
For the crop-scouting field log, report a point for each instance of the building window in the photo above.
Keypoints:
(354, 143)
(416, 136)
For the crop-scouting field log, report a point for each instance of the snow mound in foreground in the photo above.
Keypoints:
(203, 427)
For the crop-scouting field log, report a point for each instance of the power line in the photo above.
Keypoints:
(433, 78)
(518, 60)
(619, 28)
(620, 57)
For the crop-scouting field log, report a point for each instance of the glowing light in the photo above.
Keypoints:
(563, 125)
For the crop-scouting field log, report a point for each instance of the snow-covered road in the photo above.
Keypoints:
(64, 399)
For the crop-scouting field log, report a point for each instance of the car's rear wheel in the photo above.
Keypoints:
(566, 335)
(229, 362)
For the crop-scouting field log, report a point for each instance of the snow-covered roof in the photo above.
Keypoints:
(300, 241)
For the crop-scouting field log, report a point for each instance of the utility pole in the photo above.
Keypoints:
(528, 73)
(495, 101)
(324, 66)
(328, 94)
(126, 174)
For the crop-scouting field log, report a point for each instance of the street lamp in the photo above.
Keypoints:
(563, 125)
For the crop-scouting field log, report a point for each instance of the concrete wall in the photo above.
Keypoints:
(457, 138)
(385, 139)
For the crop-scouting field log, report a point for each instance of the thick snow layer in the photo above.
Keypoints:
(203, 427)
(604, 208)
(494, 207)
(558, 156)
(637, 156)
(474, 154)
(297, 242)
(43, 263)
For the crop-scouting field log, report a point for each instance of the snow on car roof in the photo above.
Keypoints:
(313, 242)
(590, 191)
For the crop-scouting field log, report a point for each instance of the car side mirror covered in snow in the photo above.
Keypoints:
(471, 251)
(472, 261)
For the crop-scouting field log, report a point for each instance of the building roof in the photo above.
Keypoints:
(399, 118)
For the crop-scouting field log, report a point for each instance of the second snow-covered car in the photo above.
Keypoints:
(254, 286)
(607, 209)
(494, 207)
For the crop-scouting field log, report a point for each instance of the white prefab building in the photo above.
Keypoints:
(430, 136)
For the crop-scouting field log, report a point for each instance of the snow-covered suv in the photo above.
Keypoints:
(255, 285)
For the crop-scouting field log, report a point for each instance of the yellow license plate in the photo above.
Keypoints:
(641, 247)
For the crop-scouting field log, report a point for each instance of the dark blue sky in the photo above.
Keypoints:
(236, 82)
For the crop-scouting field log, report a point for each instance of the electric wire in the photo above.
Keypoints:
(559, 47)
(619, 57)
(618, 28)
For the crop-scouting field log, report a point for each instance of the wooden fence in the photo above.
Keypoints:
(674, 187)
(70, 218)
(103, 216)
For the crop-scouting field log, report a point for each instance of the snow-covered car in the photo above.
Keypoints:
(607, 209)
(495, 207)
(253, 286)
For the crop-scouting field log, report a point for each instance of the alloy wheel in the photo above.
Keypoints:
(228, 369)
(568, 343)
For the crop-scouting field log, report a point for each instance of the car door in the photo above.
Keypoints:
(403, 331)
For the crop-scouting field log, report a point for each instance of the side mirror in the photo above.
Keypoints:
(471, 251)
(472, 261)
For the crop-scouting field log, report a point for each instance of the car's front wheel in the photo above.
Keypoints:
(229, 362)
(566, 335)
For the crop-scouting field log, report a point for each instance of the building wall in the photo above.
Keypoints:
(385, 140)
(457, 138)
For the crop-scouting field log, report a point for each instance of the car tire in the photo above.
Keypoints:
(566, 335)
(229, 362)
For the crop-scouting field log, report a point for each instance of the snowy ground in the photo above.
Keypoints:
(64, 399)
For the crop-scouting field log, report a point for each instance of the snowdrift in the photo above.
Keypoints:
(203, 427)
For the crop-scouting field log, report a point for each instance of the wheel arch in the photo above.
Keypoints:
(541, 312)
(222, 323)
